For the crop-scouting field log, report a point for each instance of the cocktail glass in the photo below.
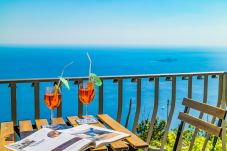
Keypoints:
(52, 98)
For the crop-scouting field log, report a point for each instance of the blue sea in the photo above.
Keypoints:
(45, 62)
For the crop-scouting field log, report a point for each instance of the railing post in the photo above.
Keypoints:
(190, 87)
(190, 82)
(59, 109)
(220, 90)
(80, 105)
(120, 94)
(155, 110)
(205, 91)
(223, 106)
(138, 104)
(173, 102)
(101, 98)
(13, 102)
(36, 97)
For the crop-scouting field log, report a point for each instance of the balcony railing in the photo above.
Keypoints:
(221, 101)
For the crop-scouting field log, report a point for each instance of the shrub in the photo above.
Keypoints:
(158, 132)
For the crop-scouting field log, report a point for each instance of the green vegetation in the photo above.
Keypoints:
(158, 132)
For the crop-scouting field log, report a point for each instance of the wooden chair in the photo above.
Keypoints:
(210, 128)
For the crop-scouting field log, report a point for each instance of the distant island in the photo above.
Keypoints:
(167, 60)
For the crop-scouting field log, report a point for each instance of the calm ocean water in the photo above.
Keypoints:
(44, 62)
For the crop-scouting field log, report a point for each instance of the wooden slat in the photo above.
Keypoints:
(205, 91)
(116, 146)
(25, 128)
(40, 122)
(101, 98)
(155, 110)
(120, 96)
(7, 135)
(218, 112)
(102, 148)
(58, 120)
(170, 113)
(133, 140)
(138, 104)
(72, 121)
(208, 127)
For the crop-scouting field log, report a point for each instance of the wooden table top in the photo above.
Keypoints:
(8, 133)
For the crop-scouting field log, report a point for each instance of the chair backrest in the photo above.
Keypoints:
(199, 123)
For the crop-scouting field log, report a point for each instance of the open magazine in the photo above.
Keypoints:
(73, 139)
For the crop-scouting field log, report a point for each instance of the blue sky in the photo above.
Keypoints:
(114, 22)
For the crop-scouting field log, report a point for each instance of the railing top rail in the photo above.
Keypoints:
(5, 81)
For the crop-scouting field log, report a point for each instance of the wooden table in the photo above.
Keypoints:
(25, 128)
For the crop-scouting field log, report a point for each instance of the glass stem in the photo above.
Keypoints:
(86, 111)
(51, 116)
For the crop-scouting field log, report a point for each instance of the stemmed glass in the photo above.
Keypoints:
(86, 95)
(52, 98)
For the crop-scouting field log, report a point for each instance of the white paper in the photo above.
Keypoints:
(97, 134)
(49, 140)
(73, 139)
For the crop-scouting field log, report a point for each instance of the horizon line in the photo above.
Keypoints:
(113, 45)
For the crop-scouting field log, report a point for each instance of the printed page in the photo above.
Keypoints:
(104, 136)
(50, 140)
(96, 134)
